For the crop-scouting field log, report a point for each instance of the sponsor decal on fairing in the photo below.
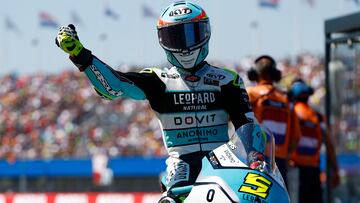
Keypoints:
(227, 158)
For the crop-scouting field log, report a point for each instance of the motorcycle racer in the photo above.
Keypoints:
(193, 100)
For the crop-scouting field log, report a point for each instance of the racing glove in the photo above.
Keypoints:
(68, 40)
(256, 160)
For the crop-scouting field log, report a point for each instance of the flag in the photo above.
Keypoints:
(10, 25)
(254, 24)
(148, 12)
(269, 3)
(111, 13)
(103, 36)
(34, 42)
(311, 3)
(357, 2)
(47, 20)
(75, 19)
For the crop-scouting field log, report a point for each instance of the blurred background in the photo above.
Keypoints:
(59, 140)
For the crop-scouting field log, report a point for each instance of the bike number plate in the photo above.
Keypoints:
(208, 193)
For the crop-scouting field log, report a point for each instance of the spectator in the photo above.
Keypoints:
(307, 155)
(273, 109)
(41, 117)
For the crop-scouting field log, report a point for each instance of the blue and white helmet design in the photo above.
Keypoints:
(184, 33)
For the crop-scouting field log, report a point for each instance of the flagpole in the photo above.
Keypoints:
(144, 44)
(296, 31)
(2, 57)
(146, 13)
(34, 43)
(102, 45)
(103, 35)
(4, 50)
(255, 37)
(340, 6)
(41, 61)
(253, 29)
(257, 31)
(40, 52)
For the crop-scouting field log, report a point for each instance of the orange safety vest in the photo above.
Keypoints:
(308, 150)
(272, 109)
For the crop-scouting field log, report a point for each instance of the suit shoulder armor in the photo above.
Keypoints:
(149, 70)
(232, 72)
(225, 76)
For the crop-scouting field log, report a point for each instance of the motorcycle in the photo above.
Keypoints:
(226, 175)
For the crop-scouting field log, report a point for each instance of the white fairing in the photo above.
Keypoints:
(227, 158)
(188, 59)
(207, 191)
(221, 187)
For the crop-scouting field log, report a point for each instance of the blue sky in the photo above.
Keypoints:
(132, 39)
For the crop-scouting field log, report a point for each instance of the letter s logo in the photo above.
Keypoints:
(256, 184)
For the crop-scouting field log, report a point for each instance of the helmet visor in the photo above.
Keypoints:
(184, 36)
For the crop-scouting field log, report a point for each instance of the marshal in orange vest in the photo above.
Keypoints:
(274, 111)
(308, 151)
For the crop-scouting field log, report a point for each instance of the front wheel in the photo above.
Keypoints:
(179, 199)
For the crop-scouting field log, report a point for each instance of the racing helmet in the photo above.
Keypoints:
(300, 91)
(184, 32)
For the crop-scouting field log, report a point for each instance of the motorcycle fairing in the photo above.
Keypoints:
(225, 157)
(211, 189)
(239, 183)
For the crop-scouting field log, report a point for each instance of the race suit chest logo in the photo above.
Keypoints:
(192, 78)
(213, 79)
(215, 76)
(104, 82)
(209, 81)
(198, 119)
(180, 12)
(194, 100)
(197, 135)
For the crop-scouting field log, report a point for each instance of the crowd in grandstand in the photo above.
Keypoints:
(48, 116)
(59, 115)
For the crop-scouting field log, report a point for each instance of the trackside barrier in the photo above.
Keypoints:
(137, 197)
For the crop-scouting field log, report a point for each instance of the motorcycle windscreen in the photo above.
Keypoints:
(185, 36)
(252, 137)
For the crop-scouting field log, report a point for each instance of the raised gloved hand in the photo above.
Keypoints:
(256, 160)
(68, 40)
